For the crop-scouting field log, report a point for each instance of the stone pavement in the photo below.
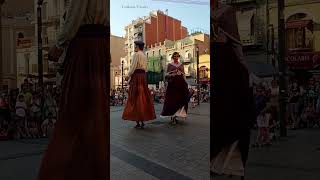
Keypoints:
(159, 151)
(296, 157)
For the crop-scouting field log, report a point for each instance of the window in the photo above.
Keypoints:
(153, 53)
(34, 68)
(20, 35)
(299, 37)
(203, 72)
(187, 54)
(147, 54)
(252, 28)
(44, 11)
(159, 52)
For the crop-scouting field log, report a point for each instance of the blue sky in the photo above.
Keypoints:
(194, 15)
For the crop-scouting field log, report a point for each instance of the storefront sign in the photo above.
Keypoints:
(24, 43)
(303, 60)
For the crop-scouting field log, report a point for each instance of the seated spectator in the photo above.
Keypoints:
(33, 129)
(48, 126)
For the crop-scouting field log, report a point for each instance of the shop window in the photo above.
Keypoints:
(203, 72)
(299, 36)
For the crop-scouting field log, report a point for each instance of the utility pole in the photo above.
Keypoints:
(1, 57)
(268, 30)
(282, 69)
(122, 75)
(122, 79)
(163, 67)
(40, 61)
(198, 75)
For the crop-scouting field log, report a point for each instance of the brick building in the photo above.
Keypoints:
(161, 27)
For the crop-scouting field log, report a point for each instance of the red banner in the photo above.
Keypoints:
(203, 80)
(303, 60)
(24, 43)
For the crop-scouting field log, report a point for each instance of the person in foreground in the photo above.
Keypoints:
(79, 147)
(232, 109)
(139, 106)
(177, 93)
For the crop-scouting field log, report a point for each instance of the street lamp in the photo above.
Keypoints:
(163, 68)
(122, 82)
(282, 69)
(1, 59)
(40, 61)
(122, 74)
(198, 75)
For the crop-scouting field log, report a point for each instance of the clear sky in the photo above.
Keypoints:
(194, 14)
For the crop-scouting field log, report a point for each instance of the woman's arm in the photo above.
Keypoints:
(73, 20)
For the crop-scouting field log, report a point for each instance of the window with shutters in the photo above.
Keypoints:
(34, 68)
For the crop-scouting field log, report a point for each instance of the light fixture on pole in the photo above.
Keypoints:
(122, 75)
(282, 69)
(198, 87)
(1, 60)
(122, 82)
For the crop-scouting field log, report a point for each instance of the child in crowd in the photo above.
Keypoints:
(192, 100)
(3, 132)
(21, 112)
(308, 115)
(33, 129)
(48, 126)
(263, 122)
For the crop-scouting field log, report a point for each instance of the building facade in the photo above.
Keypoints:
(204, 68)
(252, 22)
(52, 21)
(117, 52)
(153, 30)
(13, 29)
(302, 29)
(159, 56)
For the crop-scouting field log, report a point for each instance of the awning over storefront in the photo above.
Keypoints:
(261, 69)
(300, 24)
(204, 80)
